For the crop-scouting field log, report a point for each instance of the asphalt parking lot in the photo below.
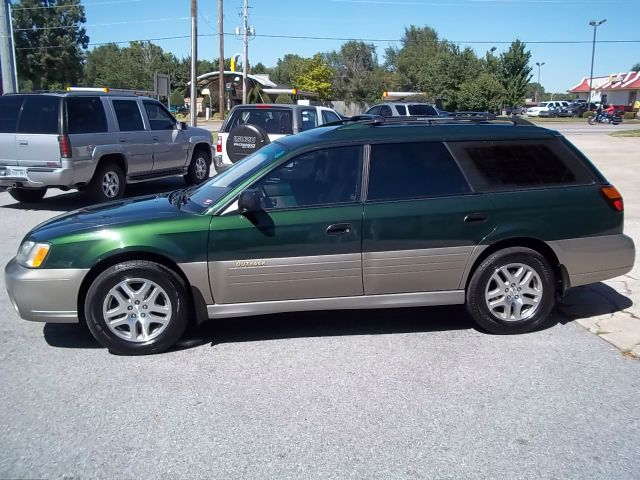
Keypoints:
(408, 393)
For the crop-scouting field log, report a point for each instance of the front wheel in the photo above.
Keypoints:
(28, 195)
(592, 120)
(199, 168)
(136, 308)
(512, 291)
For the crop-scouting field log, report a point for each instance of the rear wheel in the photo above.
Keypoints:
(199, 168)
(28, 195)
(512, 291)
(136, 308)
(108, 183)
(592, 120)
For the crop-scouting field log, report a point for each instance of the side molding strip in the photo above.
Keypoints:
(450, 297)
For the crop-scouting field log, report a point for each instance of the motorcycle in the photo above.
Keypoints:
(614, 119)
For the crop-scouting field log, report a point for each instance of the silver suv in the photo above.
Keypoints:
(96, 142)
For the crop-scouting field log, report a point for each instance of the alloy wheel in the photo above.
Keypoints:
(514, 292)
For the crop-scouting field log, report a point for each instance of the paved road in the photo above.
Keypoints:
(583, 128)
(410, 393)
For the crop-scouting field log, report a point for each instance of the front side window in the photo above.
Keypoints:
(328, 117)
(85, 115)
(402, 171)
(128, 115)
(329, 176)
(40, 114)
(508, 165)
(159, 118)
(373, 110)
(309, 119)
(385, 111)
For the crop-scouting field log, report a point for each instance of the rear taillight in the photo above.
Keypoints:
(65, 146)
(219, 145)
(613, 197)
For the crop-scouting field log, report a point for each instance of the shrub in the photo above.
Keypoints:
(284, 98)
(588, 114)
(629, 115)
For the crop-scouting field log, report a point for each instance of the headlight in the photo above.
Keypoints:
(32, 254)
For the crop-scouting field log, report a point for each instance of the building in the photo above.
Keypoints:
(619, 89)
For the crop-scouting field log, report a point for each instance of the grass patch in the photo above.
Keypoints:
(626, 133)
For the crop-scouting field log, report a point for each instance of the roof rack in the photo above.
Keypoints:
(452, 118)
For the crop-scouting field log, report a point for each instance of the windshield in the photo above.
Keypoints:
(210, 192)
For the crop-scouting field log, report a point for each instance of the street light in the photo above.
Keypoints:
(595, 24)
(538, 86)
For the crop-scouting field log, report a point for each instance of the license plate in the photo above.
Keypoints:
(16, 172)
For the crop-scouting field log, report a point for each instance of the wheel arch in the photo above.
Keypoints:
(202, 145)
(540, 246)
(117, 158)
(198, 309)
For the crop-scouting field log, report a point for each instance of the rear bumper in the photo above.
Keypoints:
(44, 295)
(593, 259)
(219, 164)
(38, 177)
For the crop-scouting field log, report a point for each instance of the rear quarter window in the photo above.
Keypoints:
(521, 164)
(9, 110)
(85, 115)
(40, 114)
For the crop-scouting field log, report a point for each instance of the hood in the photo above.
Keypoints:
(119, 213)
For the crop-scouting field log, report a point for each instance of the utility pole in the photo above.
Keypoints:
(7, 63)
(194, 63)
(221, 82)
(245, 60)
(595, 25)
(538, 87)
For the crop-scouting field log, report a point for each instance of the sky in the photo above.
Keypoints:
(480, 24)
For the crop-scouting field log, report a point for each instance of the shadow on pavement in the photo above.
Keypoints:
(591, 301)
(66, 202)
(69, 335)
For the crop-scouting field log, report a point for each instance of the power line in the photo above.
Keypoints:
(30, 29)
(344, 39)
(112, 2)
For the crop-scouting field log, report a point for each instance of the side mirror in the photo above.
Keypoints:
(250, 201)
(182, 126)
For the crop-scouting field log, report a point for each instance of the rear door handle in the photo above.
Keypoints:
(123, 140)
(155, 139)
(339, 229)
(475, 218)
(23, 143)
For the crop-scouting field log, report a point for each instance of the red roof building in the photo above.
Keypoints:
(620, 89)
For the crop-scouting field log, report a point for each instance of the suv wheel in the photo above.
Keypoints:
(28, 195)
(512, 291)
(108, 183)
(199, 168)
(137, 307)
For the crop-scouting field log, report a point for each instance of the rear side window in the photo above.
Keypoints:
(422, 110)
(40, 114)
(385, 111)
(273, 121)
(9, 110)
(509, 165)
(85, 115)
(309, 118)
(402, 109)
(128, 115)
(403, 171)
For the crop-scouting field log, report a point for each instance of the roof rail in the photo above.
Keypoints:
(452, 118)
(147, 93)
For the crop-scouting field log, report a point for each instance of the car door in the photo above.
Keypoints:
(10, 106)
(170, 145)
(136, 142)
(421, 220)
(308, 118)
(305, 243)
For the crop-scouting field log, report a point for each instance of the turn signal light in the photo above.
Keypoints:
(613, 197)
(219, 145)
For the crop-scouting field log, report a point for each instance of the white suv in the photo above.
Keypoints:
(546, 106)
(249, 127)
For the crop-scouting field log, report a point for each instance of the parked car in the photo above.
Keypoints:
(578, 108)
(398, 109)
(376, 213)
(96, 142)
(546, 107)
(250, 127)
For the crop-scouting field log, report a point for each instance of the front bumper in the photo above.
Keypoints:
(38, 177)
(42, 294)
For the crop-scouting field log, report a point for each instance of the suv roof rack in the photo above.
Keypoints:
(452, 118)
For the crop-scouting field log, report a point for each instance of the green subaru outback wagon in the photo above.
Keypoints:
(503, 217)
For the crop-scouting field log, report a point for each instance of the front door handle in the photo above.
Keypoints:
(123, 140)
(475, 218)
(339, 229)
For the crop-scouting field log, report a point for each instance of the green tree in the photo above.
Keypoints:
(515, 73)
(531, 89)
(484, 94)
(636, 67)
(315, 76)
(259, 68)
(50, 42)
(287, 68)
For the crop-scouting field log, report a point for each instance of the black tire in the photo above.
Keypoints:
(199, 168)
(244, 140)
(28, 195)
(106, 172)
(174, 292)
(592, 120)
(482, 279)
